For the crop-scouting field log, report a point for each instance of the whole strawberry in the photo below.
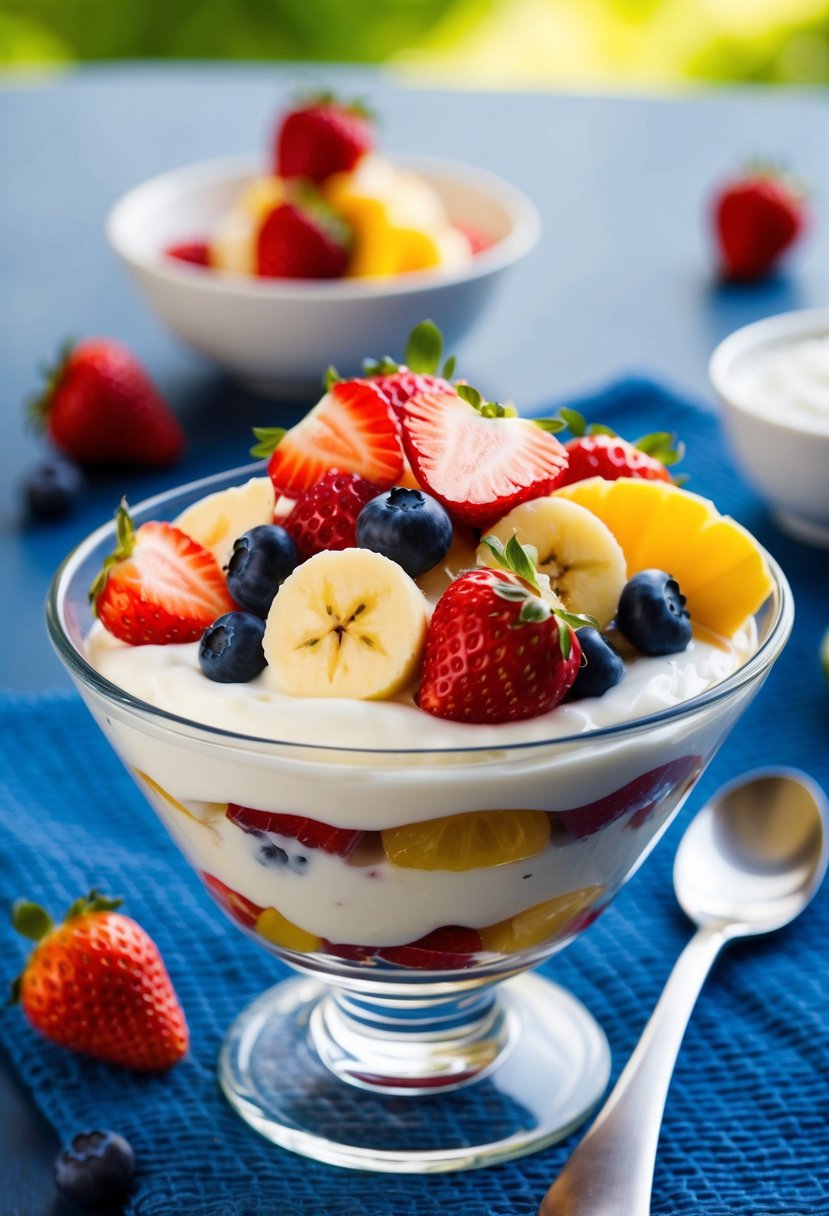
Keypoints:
(596, 451)
(325, 516)
(158, 586)
(322, 137)
(100, 407)
(97, 984)
(302, 240)
(756, 219)
(495, 650)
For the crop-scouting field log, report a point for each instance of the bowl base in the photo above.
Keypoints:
(803, 529)
(543, 1086)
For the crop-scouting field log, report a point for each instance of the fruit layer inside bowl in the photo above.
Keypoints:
(332, 206)
(419, 568)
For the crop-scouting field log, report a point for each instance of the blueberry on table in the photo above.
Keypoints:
(95, 1167)
(52, 488)
(230, 650)
(407, 526)
(602, 667)
(652, 613)
(262, 559)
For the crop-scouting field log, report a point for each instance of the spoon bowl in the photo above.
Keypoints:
(752, 858)
(749, 862)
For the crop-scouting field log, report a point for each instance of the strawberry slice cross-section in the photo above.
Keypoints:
(352, 429)
(310, 832)
(478, 458)
(158, 586)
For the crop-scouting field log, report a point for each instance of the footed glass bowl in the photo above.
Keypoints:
(413, 891)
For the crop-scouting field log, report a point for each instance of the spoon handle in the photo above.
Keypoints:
(611, 1171)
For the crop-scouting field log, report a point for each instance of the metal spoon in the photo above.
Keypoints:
(748, 863)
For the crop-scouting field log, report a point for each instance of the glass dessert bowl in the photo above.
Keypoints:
(413, 880)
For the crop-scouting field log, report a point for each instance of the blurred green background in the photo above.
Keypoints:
(469, 43)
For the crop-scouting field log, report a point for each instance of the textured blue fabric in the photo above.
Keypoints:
(747, 1122)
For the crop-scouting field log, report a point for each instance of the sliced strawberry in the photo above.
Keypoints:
(159, 586)
(351, 954)
(639, 798)
(325, 517)
(450, 948)
(242, 910)
(479, 459)
(197, 253)
(310, 832)
(351, 429)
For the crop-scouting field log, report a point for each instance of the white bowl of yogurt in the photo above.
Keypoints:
(772, 379)
(293, 813)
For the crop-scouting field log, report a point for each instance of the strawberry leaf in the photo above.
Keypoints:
(124, 545)
(380, 367)
(550, 425)
(517, 558)
(31, 920)
(424, 348)
(330, 377)
(269, 438)
(449, 368)
(663, 446)
(534, 610)
(564, 640)
(574, 421)
(470, 395)
(93, 902)
(576, 620)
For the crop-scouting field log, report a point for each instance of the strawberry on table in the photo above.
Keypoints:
(97, 984)
(303, 239)
(325, 516)
(495, 650)
(756, 218)
(597, 451)
(100, 407)
(158, 586)
(321, 137)
(351, 429)
(479, 458)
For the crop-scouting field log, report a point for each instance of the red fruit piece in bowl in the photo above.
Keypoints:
(242, 910)
(639, 798)
(310, 832)
(446, 949)
(299, 241)
(351, 429)
(596, 451)
(197, 253)
(420, 371)
(321, 137)
(325, 516)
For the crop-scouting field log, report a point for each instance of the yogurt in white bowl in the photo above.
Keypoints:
(772, 379)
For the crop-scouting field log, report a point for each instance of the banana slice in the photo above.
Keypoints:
(217, 520)
(346, 623)
(461, 556)
(233, 245)
(579, 553)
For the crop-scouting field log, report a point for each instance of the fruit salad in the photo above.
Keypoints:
(460, 668)
(331, 205)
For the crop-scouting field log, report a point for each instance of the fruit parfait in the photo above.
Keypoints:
(331, 205)
(415, 700)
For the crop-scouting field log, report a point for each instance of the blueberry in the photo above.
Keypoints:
(273, 855)
(52, 488)
(94, 1168)
(262, 558)
(408, 526)
(230, 650)
(652, 613)
(601, 668)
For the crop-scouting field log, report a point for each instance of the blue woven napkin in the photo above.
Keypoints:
(747, 1122)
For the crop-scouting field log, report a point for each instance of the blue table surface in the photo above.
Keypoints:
(622, 281)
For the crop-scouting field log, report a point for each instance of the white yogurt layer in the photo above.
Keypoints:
(788, 382)
(169, 678)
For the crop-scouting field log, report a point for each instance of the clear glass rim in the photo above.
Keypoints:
(83, 671)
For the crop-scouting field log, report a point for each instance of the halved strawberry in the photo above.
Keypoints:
(159, 586)
(351, 429)
(478, 458)
(420, 371)
(449, 948)
(310, 832)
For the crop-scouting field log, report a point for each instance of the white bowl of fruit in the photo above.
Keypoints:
(271, 268)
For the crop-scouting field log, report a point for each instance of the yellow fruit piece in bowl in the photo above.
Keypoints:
(261, 195)
(469, 841)
(720, 568)
(538, 924)
(279, 931)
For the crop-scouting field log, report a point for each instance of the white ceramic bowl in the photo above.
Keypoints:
(782, 450)
(281, 333)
